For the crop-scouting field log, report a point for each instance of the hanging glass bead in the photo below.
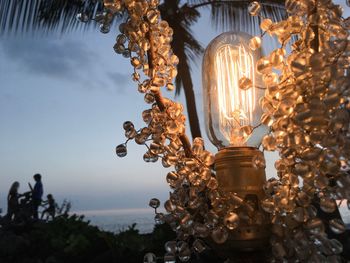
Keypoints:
(135, 62)
(266, 24)
(299, 7)
(128, 125)
(121, 39)
(105, 28)
(130, 134)
(184, 255)
(170, 86)
(150, 157)
(212, 183)
(315, 226)
(328, 205)
(100, 17)
(263, 66)
(337, 247)
(83, 17)
(254, 8)
(169, 206)
(197, 147)
(231, 220)
(126, 53)
(268, 206)
(169, 258)
(159, 219)
(170, 247)
(121, 150)
(269, 143)
(150, 258)
(199, 246)
(208, 158)
(337, 226)
(141, 138)
(112, 5)
(149, 98)
(201, 230)
(276, 57)
(135, 76)
(255, 43)
(245, 83)
(122, 27)
(154, 203)
(205, 174)
(246, 130)
(119, 48)
(299, 214)
(219, 235)
(152, 16)
(266, 119)
(259, 161)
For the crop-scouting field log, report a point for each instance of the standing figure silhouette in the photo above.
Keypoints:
(37, 194)
(50, 211)
(12, 201)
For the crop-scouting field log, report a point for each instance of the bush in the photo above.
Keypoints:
(69, 238)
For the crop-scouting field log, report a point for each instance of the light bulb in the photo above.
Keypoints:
(232, 89)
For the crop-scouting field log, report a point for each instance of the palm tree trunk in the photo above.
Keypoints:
(184, 72)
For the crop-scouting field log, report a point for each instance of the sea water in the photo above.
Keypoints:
(117, 220)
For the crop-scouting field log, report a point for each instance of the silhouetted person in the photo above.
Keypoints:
(12, 201)
(51, 209)
(25, 208)
(37, 194)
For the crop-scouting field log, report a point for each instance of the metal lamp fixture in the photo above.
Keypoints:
(305, 102)
(231, 91)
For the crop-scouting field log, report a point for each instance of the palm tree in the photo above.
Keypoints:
(225, 14)
(60, 15)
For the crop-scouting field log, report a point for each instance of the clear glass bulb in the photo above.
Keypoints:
(231, 90)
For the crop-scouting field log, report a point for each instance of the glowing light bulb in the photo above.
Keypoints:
(232, 90)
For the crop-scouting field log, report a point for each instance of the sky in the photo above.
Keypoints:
(63, 100)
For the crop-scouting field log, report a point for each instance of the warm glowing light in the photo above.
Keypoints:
(236, 105)
(232, 90)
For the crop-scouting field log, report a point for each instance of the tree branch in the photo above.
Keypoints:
(159, 98)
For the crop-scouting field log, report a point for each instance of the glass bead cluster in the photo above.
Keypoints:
(196, 207)
(306, 104)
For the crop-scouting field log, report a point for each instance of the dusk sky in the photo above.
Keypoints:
(63, 100)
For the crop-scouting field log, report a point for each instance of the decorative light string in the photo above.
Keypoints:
(306, 104)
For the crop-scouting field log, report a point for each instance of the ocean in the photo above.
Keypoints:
(117, 220)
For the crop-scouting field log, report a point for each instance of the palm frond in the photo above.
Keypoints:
(17, 16)
(233, 15)
(185, 46)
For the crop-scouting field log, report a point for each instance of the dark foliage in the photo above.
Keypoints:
(72, 239)
(69, 239)
(18, 16)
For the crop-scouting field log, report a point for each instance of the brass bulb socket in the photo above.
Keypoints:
(236, 173)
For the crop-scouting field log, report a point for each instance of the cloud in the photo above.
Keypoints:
(49, 57)
(72, 60)
(120, 81)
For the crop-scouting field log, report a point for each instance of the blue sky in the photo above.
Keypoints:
(63, 100)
